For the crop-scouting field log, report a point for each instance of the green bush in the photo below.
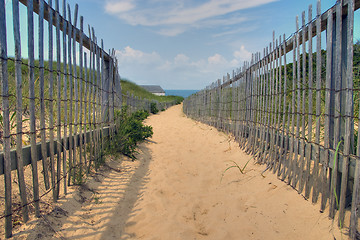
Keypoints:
(141, 115)
(153, 108)
(130, 130)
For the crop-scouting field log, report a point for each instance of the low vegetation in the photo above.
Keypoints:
(130, 130)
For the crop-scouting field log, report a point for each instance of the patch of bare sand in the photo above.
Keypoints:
(174, 192)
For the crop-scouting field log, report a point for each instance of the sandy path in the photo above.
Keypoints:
(174, 192)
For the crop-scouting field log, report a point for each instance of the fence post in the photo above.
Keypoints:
(5, 104)
(105, 91)
(335, 100)
(347, 128)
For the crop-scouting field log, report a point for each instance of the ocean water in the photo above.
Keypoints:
(182, 93)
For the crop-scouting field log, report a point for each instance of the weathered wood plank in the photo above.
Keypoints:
(74, 90)
(19, 106)
(347, 78)
(354, 217)
(307, 180)
(82, 152)
(95, 149)
(71, 91)
(268, 102)
(285, 129)
(51, 111)
(291, 153)
(26, 151)
(278, 105)
(303, 111)
(41, 94)
(65, 98)
(296, 169)
(86, 113)
(58, 101)
(281, 121)
(272, 103)
(4, 91)
(32, 107)
(101, 85)
(316, 177)
(263, 107)
(334, 190)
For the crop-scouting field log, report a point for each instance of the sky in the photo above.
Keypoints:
(188, 44)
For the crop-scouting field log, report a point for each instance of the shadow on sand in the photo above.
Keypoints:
(97, 210)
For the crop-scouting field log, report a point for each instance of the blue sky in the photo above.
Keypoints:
(187, 44)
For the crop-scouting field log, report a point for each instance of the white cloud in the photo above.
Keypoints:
(130, 55)
(171, 32)
(152, 68)
(217, 59)
(116, 7)
(242, 54)
(181, 59)
(175, 17)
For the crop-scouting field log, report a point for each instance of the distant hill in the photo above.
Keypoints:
(132, 88)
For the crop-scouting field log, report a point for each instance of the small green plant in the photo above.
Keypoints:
(80, 177)
(241, 169)
(334, 185)
(13, 124)
(97, 199)
(153, 108)
(130, 130)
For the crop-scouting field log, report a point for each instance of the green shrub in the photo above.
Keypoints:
(141, 115)
(130, 130)
(153, 108)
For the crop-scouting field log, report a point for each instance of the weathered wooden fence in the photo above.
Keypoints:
(294, 109)
(64, 105)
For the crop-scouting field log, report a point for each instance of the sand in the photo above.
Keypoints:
(175, 190)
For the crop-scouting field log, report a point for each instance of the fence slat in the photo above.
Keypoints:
(32, 107)
(91, 102)
(308, 150)
(102, 87)
(337, 144)
(6, 124)
(281, 128)
(86, 114)
(356, 193)
(81, 90)
(19, 110)
(94, 98)
(293, 150)
(303, 110)
(316, 178)
(74, 91)
(296, 169)
(71, 90)
(58, 102)
(51, 111)
(347, 77)
(284, 141)
(263, 107)
(65, 80)
(277, 105)
(272, 97)
(41, 94)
